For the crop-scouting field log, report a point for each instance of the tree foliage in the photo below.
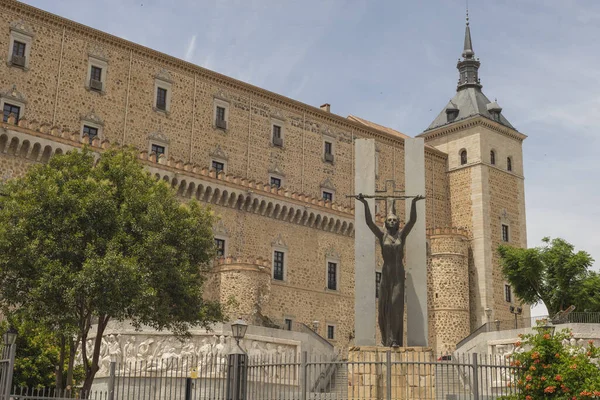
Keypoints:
(553, 274)
(85, 240)
(547, 368)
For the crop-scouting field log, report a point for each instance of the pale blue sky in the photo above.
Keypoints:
(393, 62)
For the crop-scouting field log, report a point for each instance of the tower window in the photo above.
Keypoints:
(507, 293)
(276, 182)
(328, 196)
(96, 78)
(330, 332)
(288, 324)
(328, 150)
(91, 132)
(493, 157)
(158, 150)
(220, 245)
(19, 48)
(278, 265)
(161, 98)
(11, 109)
(332, 276)
(218, 166)
(508, 164)
(463, 157)
(505, 236)
(277, 139)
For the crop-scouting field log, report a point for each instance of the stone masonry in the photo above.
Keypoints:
(55, 99)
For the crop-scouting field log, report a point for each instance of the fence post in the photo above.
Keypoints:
(303, 375)
(111, 381)
(9, 372)
(475, 376)
(388, 375)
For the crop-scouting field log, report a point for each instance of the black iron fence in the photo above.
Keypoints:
(382, 375)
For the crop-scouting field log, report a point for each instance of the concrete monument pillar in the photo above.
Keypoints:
(364, 246)
(416, 252)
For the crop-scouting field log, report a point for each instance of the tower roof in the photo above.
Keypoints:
(469, 100)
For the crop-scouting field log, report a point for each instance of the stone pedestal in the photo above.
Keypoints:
(381, 373)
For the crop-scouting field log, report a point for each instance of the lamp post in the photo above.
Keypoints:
(10, 346)
(238, 363)
(516, 311)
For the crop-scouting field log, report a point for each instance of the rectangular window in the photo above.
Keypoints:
(288, 324)
(220, 244)
(158, 150)
(377, 283)
(278, 265)
(327, 196)
(332, 276)
(220, 113)
(96, 73)
(507, 293)
(161, 98)
(276, 132)
(330, 332)
(505, 237)
(19, 48)
(328, 148)
(10, 109)
(91, 132)
(275, 181)
(218, 166)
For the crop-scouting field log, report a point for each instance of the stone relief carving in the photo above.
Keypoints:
(96, 51)
(14, 94)
(159, 136)
(22, 27)
(168, 354)
(92, 117)
(276, 169)
(327, 184)
(219, 153)
(279, 242)
(164, 75)
(220, 229)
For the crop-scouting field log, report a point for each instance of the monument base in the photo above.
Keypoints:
(379, 373)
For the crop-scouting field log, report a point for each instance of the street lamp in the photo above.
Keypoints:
(238, 330)
(516, 311)
(10, 336)
(10, 340)
(238, 364)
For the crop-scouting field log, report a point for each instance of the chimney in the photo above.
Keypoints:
(326, 107)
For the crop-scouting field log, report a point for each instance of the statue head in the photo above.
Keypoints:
(391, 221)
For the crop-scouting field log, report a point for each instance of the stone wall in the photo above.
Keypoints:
(448, 283)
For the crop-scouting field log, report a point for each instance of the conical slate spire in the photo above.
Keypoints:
(468, 51)
(468, 67)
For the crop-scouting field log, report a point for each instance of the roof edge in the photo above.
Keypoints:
(474, 120)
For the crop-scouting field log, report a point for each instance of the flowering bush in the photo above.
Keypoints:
(549, 369)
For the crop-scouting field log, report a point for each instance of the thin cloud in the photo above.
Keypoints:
(189, 53)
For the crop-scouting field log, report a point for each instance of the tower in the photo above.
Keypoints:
(485, 175)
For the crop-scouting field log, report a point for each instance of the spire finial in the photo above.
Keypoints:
(467, 12)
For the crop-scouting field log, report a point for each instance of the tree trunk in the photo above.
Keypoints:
(90, 373)
(61, 363)
(72, 351)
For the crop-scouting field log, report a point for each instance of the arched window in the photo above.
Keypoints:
(463, 157)
(493, 157)
(508, 164)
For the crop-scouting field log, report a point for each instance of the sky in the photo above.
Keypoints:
(394, 63)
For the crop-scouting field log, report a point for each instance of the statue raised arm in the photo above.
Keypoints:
(369, 217)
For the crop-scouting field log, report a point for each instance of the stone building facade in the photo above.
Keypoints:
(275, 170)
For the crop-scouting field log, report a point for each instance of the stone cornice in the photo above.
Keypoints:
(43, 17)
(181, 170)
(471, 123)
(488, 165)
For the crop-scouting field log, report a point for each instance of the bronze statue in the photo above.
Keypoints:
(391, 289)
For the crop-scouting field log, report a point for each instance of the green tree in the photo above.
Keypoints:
(545, 368)
(84, 240)
(553, 274)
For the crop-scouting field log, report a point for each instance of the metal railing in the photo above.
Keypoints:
(383, 375)
(519, 323)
